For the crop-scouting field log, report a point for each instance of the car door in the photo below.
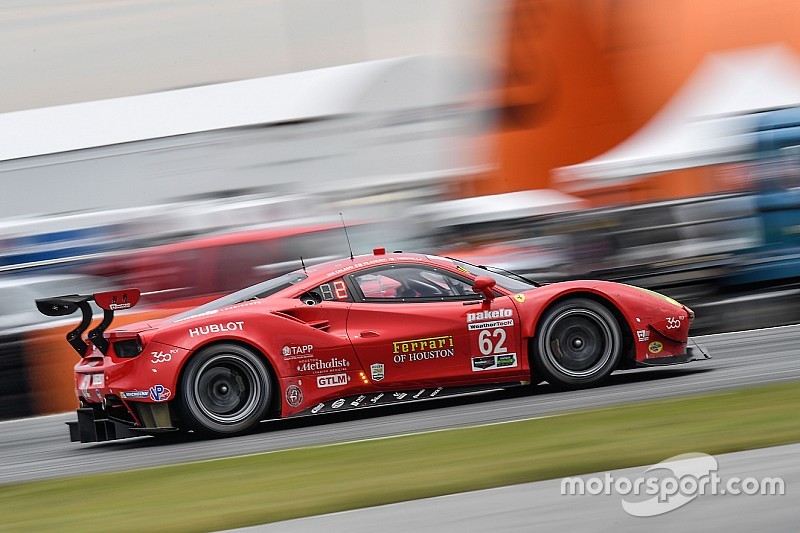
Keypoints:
(414, 325)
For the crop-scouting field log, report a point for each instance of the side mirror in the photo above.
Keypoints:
(484, 284)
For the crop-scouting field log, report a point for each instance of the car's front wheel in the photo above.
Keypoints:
(225, 390)
(579, 344)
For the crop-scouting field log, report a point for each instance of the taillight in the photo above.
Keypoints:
(128, 348)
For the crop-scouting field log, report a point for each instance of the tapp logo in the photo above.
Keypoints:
(297, 350)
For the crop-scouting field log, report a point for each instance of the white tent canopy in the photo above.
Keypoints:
(705, 123)
(497, 207)
(323, 93)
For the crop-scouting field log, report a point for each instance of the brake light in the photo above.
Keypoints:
(128, 348)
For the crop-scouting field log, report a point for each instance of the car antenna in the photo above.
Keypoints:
(304, 264)
(346, 235)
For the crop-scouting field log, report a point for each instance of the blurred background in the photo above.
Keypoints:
(190, 148)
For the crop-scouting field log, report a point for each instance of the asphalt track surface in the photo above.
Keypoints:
(39, 448)
(540, 506)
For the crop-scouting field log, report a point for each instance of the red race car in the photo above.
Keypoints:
(360, 332)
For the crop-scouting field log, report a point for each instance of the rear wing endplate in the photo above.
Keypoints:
(107, 301)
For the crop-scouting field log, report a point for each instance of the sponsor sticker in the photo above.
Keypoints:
(643, 335)
(376, 371)
(294, 396)
(357, 401)
(159, 393)
(161, 357)
(294, 352)
(332, 380)
(420, 393)
(491, 325)
(216, 328)
(655, 347)
(97, 380)
(317, 408)
(320, 365)
(423, 349)
(338, 403)
(489, 314)
(494, 362)
(376, 398)
(135, 394)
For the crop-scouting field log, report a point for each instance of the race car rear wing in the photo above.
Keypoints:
(107, 301)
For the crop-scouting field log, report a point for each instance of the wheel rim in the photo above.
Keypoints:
(579, 343)
(227, 389)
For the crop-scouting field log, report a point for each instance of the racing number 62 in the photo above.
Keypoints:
(488, 346)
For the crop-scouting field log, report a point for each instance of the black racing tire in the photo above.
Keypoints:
(578, 344)
(225, 390)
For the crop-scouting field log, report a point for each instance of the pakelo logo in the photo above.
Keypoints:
(376, 371)
(332, 380)
(294, 396)
(655, 347)
(318, 365)
(216, 328)
(423, 349)
(493, 318)
(159, 393)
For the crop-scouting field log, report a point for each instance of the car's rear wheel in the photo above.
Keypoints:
(225, 390)
(578, 345)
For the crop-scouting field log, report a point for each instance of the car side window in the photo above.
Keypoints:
(409, 283)
(332, 291)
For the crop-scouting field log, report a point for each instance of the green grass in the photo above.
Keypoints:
(251, 490)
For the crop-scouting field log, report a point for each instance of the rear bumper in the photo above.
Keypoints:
(694, 352)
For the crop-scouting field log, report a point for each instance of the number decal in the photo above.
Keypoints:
(485, 344)
(673, 323)
(327, 293)
(341, 290)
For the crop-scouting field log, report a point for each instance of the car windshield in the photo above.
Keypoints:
(260, 290)
(507, 280)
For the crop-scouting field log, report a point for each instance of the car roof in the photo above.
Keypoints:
(379, 257)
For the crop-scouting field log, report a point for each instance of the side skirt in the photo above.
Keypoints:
(376, 399)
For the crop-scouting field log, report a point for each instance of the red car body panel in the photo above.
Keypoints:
(344, 347)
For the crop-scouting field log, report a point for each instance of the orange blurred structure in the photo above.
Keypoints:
(583, 75)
